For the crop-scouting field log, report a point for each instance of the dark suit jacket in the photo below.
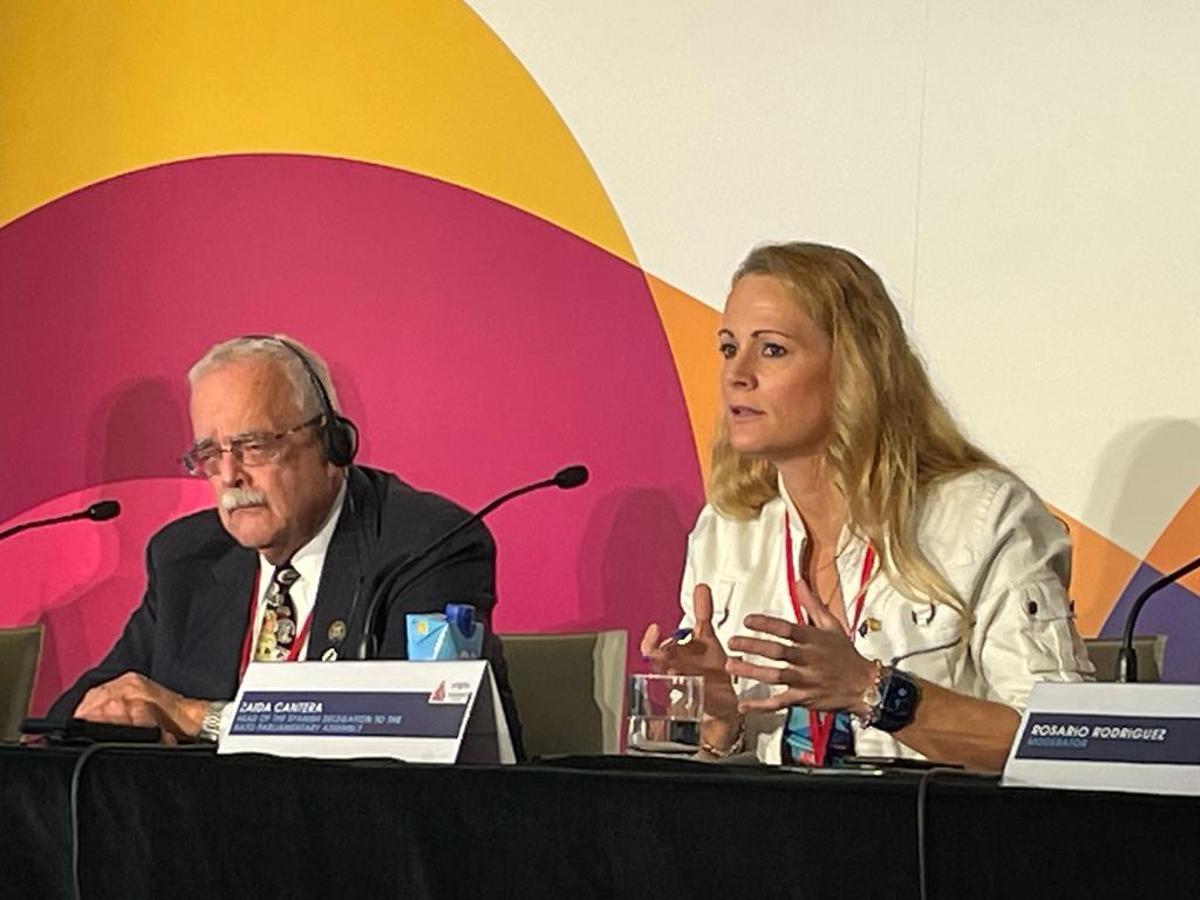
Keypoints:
(187, 633)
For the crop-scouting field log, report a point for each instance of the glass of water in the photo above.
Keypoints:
(665, 713)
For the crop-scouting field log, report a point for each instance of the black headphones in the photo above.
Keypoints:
(339, 435)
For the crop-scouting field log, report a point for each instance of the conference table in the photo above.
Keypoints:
(129, 822)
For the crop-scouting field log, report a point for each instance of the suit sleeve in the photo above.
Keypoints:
(133, 651)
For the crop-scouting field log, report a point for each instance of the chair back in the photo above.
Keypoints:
(569, 690)
(1151, 650)
(20, 649)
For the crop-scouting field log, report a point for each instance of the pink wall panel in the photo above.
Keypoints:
(477, 346)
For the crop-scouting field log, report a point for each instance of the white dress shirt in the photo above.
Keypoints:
(309, 560)
(987, 533)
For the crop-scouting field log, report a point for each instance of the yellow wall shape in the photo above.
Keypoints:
(89, 91)
(691, 329)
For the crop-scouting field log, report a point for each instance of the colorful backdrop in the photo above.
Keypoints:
(509, 225)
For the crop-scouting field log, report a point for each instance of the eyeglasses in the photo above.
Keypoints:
(204, 460)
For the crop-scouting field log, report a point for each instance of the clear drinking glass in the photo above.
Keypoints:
(664, 713)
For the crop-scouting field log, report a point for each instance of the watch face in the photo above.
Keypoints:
(900, 696)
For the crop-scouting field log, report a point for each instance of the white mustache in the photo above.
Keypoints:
(236, 498)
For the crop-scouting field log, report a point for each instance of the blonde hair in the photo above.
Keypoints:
(891, 435)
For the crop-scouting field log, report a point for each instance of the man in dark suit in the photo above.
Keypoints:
(294, 520)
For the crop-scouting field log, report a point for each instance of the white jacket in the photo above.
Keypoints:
(985, 531)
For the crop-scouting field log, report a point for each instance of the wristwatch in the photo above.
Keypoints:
(210, 725)
(891, 700)
(899, 695)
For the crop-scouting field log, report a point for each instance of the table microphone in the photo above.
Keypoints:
(100, 511)
(1127, 656)
(368, 646)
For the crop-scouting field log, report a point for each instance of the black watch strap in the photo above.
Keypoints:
(899, 694)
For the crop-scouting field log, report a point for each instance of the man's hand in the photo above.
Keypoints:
(133, 699)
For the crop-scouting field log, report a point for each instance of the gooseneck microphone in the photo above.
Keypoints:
(100, 511)
(1127, 656)
(368, 645)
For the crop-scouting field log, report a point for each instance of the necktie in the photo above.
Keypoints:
(279, 625)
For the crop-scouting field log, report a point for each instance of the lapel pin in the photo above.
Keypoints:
(337, 630)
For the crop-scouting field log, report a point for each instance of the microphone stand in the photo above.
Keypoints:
(97, 512)
(1127, 656)
(368, 646)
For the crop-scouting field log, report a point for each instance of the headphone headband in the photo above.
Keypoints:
(338, 435)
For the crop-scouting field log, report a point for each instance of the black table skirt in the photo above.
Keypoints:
(185, 822)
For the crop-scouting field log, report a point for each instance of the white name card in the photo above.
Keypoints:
(436, 712)
(1142, 738)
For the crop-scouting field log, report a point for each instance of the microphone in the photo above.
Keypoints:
(570, 477)
(1127, 656)
(103, 510)
(368, 645)
(100, 511)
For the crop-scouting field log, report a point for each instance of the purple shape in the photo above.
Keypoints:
(1173, 611)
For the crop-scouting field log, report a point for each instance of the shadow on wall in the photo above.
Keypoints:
(349, 400)
(1147, 468)
(140, 429)
(631, 562)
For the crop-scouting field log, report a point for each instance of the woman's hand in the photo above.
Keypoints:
(699, 653)
(821, 671)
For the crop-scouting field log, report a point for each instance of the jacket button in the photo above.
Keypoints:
(1031, 607)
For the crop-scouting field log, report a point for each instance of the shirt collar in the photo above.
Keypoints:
(309, 559)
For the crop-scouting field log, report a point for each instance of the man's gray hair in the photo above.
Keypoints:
(273, 348)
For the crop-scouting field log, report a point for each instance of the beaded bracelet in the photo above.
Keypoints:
(871, 697)
(738, 745)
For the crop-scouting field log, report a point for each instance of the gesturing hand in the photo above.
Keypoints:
(700, 653)
(133, 699)
(821, 669)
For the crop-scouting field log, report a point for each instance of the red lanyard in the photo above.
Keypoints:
(247, 641)
(820, 725)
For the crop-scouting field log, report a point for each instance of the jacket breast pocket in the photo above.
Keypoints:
(925, 639)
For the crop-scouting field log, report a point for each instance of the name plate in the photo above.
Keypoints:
(1142, 738)
(437, 712)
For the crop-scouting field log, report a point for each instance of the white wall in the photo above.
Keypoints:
(1022, 174)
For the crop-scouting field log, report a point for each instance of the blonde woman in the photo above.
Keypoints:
(864, 580)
